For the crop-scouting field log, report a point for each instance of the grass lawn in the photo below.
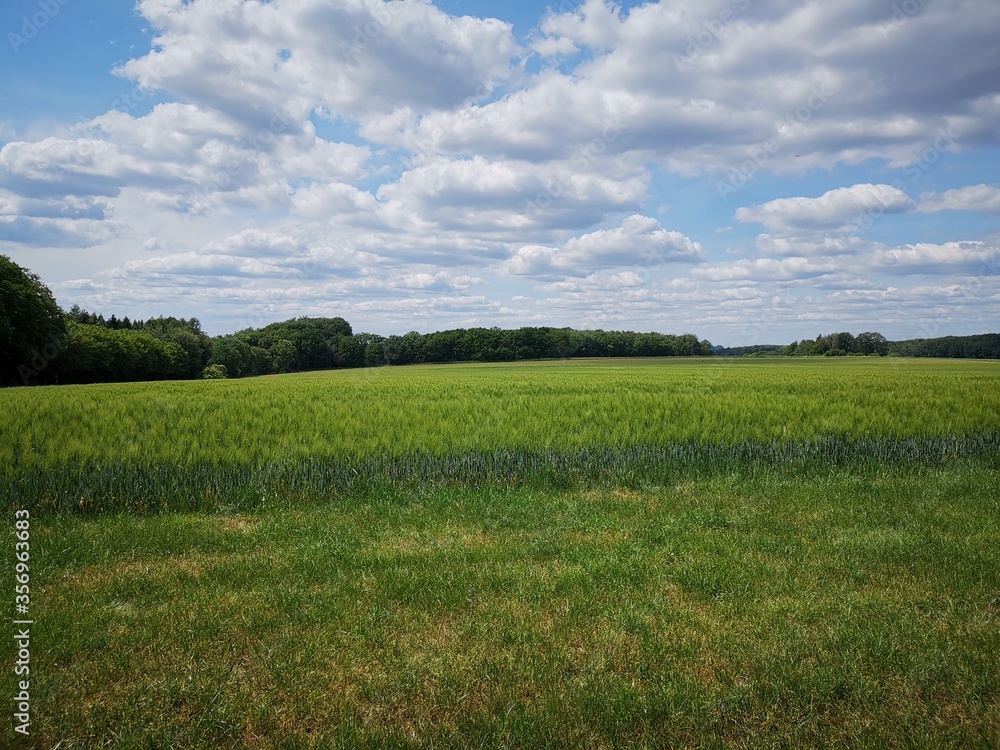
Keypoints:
(860, 608)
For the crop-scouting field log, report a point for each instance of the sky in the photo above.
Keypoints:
(750, 171)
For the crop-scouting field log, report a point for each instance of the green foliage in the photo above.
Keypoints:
(497, 345)
(235, 355)
(840, 344)
(327, 343)
(97, 354)
(984, 346)
(187, 334)
(32, 328)
(758, 350)
(871, 342)
(215, 372)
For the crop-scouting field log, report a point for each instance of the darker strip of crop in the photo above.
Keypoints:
(210, 486)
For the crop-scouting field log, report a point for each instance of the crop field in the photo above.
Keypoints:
(640, 554)
(245, 443)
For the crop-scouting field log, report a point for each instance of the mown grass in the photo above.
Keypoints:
(852, 609)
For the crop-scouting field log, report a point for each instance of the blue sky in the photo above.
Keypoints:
(751, 171)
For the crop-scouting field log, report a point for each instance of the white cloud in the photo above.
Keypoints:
(554, 46)
(63, 233)
(596, 282)
(982, 198)
(252, 60)
(640, 241)
(840, 209)
(765, 269)
(973, 258)
(705, 87)
(505, 198)
(813, 244)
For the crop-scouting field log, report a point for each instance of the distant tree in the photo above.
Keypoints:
(260, 362)
(98, 354)
(404, 350)
(872, 342)
(373, 348)
(215, 372)
(78, 315)
(814, 348)
(843, 341)
(234, 354)
(32, 327)
(980, 346)
(283, 356)
(187, 334)
(348, 352)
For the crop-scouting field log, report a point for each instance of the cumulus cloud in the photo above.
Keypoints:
(640, 241)
(974, 258)
(554, 46)
(507, 198)
(766, 269)
(62, 233)
(982, 198)
(251, 60)
(709, 87)
(814, 244)
(839, 209)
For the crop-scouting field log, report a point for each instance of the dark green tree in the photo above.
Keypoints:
(843, 341)
(32, 327)
(871, 342)
(233, 353)
(187, 334)
(98, 354)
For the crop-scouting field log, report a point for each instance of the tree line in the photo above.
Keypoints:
(40, 343)
(840, 344)
(982, 346)
(322, 343)
(872, 343)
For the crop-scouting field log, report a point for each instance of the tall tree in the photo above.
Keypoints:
(32, 327)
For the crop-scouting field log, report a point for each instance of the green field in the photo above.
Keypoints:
(221, 444)
(567, 554)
